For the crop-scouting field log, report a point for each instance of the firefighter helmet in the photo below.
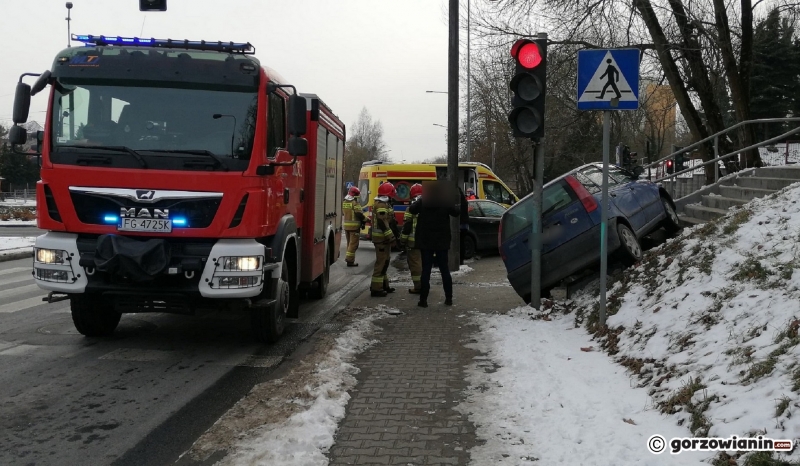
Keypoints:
(416, 190)
(353, 191)
(386, 189)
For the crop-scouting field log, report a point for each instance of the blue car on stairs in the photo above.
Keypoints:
(571, 224)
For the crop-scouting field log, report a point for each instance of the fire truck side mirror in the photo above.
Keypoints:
(297, 116)
(22, 103)
(17, 135)
(297, 146)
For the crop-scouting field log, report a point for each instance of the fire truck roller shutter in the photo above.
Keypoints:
(55, 263)
(236, 268)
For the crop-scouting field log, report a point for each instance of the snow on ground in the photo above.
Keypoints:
(709, 322)
(292, 420)
(702, 340)
(17, 222)
(10, 245)
(538, 399)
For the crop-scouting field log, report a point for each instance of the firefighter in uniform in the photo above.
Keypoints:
(383, 238)
(353, 217)
(413, 255)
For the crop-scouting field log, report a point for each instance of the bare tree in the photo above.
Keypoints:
(364, 143)
(702, 48)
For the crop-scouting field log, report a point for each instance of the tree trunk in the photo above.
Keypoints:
(670, 67)
(739, 76)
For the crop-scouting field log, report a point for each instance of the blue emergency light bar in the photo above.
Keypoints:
(228, 47)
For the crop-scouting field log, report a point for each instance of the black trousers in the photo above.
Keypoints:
(429, 258)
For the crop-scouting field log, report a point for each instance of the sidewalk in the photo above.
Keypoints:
(401, 411)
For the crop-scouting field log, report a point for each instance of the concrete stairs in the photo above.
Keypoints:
(737, 189)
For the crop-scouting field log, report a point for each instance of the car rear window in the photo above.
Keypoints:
(554, 198)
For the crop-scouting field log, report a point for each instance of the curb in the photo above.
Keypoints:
(16, 255)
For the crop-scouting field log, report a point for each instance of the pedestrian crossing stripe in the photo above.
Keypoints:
(608, 79)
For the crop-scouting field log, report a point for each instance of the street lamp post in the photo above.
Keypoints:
(469, 82)
(452, 128)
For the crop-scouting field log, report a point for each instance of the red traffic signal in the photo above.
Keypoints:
(529, 86)
(527, 53)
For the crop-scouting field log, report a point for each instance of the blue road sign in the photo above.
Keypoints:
(349, 185)
(608, 79)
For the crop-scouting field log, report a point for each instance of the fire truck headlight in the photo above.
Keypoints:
(241, 264)
(50, 256)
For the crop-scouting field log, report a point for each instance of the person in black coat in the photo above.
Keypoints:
(432, 238)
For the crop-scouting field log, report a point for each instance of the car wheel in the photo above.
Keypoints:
(92, 319)
(630, 251)
(672, 223)
(468, 246)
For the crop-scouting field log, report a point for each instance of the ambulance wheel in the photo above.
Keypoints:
(91, 319)
(268, 322)
(321, 283)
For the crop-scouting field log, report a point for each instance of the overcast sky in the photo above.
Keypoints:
(378, 54)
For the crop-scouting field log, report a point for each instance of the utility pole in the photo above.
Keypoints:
(69, 18)
(452, 128)
(469, 85)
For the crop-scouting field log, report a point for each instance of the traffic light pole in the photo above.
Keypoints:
(452, 129)
(536, 234)
(604, 220)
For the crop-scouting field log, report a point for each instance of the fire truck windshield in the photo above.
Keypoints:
(171, 127)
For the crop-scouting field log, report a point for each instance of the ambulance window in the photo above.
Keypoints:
(276, 124)
(495, 191)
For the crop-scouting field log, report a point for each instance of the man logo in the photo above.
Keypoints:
(145, 195)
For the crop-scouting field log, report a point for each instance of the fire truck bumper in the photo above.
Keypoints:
(225, 269)
(56, 263)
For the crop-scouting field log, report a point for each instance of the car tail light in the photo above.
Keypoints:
(500, 241)
(585, 196)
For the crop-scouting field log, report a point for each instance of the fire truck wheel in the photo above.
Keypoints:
(92, 319)
(268, 323)
(321, 283)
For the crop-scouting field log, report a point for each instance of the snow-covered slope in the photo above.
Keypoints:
(710, 322)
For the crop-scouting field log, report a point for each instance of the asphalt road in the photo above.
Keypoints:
(20, 230)
(145, 394)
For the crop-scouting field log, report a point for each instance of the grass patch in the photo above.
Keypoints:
(767, 458)
(681, 399)
(782, 405)
(736, 221)
(751, 269)
(741, 355)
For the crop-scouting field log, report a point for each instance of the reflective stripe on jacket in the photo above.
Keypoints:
(352, 214)
(409, 229)
(381, 231)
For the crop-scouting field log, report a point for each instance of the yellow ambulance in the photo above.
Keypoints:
(477, 176)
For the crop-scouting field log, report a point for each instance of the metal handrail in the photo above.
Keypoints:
(718, 157)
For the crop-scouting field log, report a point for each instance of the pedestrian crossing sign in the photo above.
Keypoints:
(608, 79)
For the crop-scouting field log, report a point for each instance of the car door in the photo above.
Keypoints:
(622, 194)
(645, 192)
(486, 222)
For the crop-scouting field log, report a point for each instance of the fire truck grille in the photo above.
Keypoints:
(93, 208)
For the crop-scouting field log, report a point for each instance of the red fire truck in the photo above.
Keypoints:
(178, 175)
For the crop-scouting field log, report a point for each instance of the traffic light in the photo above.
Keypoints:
(529, 86)
(670, 167)
(680, 160)
(152, 5)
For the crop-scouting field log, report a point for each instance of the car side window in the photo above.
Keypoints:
(596, 176)
(555, 197)
(619, 175)
(587, 183)
(491, 209)
(474, 210)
